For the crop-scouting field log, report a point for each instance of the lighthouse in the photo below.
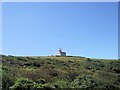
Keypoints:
(61, 53)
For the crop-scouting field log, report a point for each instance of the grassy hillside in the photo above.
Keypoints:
(49, 72)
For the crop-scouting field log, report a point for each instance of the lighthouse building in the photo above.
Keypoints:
(60, 53)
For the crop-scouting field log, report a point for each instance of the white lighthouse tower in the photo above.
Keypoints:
(60, 53)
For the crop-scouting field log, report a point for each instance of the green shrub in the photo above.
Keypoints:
(84, 81)
(61, 84)
(27, 84)
(42, 81)
(7, 80)
(40, 86)
(22, 83)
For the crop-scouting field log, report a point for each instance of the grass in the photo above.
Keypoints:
(60, 72)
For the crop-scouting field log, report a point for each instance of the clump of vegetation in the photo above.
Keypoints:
(27, 84)
(31, 73)
(60, 84)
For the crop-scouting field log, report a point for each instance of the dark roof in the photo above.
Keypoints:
(63, 52)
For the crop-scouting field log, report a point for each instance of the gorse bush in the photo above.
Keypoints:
(27, 84)
(23, 83)
(84, 81)
(7, 81)
(8, 78)
(61, 84)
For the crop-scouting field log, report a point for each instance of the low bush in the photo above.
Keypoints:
(27, 84)
(61, 84)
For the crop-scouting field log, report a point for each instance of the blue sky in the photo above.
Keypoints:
(80, 29)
